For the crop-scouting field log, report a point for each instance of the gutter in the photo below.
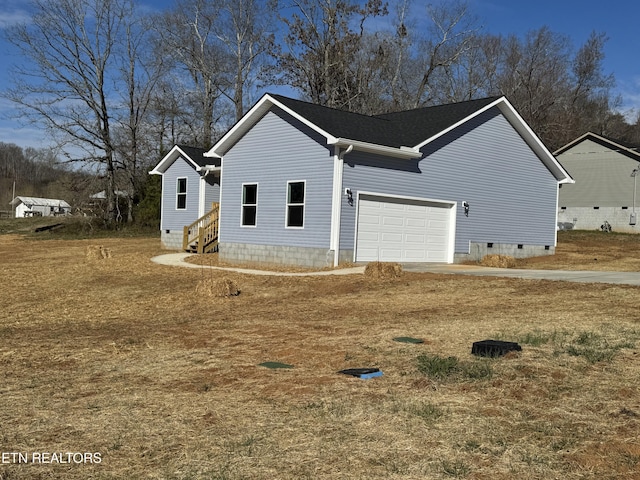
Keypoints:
(401, 152)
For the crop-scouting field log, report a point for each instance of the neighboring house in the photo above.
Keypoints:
(102, 195)
(40, 207)
(605, 184)
(310, 185)
(190, 185)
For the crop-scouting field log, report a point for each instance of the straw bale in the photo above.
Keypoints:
(383, 270)
(219, 287)
(498, 261)
(97, 252)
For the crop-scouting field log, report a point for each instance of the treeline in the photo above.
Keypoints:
(121, 85)
(38, 173)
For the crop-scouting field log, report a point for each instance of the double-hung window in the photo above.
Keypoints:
(249, 204)
(295, 204)
(181, 194)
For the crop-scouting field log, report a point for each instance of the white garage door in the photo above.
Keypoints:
(402, 230)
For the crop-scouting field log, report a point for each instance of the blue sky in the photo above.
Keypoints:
(577, 19)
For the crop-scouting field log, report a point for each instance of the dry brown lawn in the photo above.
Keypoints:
(110, 353)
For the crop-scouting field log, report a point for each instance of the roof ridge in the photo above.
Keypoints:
(428, 107)
(316, 105)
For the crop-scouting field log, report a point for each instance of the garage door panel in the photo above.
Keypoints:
(415, 239)
(400, 230)
(368, 254)
(417, 222)
(415, 256)
(369, 220)
(389, 221)
(398, 207)
(369, 237)
(391, 238)
(390, 255)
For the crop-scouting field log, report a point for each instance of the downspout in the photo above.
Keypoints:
(202, 194)
(338, 167)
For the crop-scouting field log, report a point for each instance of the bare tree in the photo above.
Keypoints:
(243, 30)
(66, 84)
(187, 35)
(322, 41)
(475, 74)
(140, 73)
(535, 77)
(449, 35)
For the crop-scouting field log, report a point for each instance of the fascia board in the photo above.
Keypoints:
(402, 152)
(510, 113)
(613, 144)
(250, 119)
(572, 143)
(558, 171)
(171, 157)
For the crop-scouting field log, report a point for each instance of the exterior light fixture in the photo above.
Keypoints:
(465, 205)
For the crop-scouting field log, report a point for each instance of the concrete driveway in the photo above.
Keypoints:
(623, 278)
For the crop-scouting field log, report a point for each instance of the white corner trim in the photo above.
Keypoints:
(336, 205)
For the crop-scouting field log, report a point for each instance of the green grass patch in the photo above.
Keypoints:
(427, 411)
(593, 346)
(443, 368)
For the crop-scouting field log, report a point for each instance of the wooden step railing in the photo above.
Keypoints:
(203, 233)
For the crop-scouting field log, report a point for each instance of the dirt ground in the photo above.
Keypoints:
(148, 375)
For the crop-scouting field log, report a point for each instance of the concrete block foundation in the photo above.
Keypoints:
(590, 218)
(280, 255)
(171, 239)
(478, 250)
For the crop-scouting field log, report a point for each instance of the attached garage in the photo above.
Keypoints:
(403, 229)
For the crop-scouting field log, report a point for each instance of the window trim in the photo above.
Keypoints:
(242, 205)
(303, 204)
(179, 193)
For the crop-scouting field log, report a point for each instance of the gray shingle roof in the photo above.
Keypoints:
(406, 128)
(196, 154)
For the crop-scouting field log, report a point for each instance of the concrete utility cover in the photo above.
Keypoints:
(275, 365)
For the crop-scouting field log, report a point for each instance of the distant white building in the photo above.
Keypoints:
(39, 207)
(103, 195)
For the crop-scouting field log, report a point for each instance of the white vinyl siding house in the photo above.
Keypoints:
(257, 158)
(319, 186)
(189, 187)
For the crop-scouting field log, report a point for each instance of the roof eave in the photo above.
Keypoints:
(171, 157)
(251, 118)
(395, 152)
(514, 118)
(586, 136)
(534, 142)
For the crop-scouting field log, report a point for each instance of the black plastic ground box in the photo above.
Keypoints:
(493, 348)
